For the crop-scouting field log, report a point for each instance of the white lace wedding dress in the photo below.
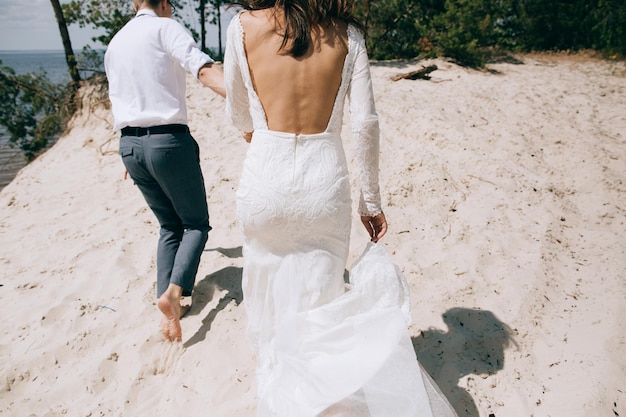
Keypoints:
(321, 350)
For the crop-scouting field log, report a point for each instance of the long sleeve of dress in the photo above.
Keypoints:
(237, 101)
(365, 132)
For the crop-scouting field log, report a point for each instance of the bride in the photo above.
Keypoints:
(322, 350)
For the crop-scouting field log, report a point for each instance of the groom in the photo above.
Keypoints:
(146, 64)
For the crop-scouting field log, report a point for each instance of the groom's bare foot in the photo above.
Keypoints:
(169, 304)
(165, 328)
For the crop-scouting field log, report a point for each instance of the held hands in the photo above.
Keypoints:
(376, 226)
(212, 76)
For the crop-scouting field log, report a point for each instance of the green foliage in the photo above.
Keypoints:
(393, 28)
(574, 25)
(109, 15)
(90, 60)
(466, 30)
(472, 32)
(609, 27)
(214, 10)
(557, 24)
(34, 110)
(112, 15)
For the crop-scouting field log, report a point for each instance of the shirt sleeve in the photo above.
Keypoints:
(180, 44)
(237, 101)
(365, 131)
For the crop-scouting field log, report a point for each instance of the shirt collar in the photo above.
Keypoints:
(146, 12)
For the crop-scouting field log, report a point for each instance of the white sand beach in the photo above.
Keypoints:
(505, 192)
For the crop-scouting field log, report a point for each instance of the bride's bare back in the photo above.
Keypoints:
(297, 94)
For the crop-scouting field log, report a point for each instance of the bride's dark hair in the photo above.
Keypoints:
(301, 16)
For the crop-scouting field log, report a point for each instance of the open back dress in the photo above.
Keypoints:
(323, 348)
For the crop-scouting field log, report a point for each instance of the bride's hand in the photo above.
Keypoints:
(247, 136)
(376, 226)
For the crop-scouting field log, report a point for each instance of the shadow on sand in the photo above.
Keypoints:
(227, 279)
(473, 344)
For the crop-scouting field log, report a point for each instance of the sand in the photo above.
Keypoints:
(506, 198)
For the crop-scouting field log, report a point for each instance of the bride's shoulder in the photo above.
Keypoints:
(256, 18)
(257, 23)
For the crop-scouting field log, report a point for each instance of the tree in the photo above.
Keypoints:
(470, 31)
(202, 12)
(70, 58)
(609, 26)
(465, 30)
(556, 24)
(108, 15)
(216, 19)
(34, 110)
(211, 10)
(391, 27)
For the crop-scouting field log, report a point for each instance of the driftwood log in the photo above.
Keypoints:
(420, 74)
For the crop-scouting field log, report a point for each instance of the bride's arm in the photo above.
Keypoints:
(237, 104)
(366, 137)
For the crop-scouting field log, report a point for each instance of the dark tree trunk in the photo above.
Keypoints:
(70, 58)
(219, 27)
(203, 25)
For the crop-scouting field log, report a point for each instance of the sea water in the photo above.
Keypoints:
(23, 62)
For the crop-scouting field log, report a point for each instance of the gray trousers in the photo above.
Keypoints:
(166, 169)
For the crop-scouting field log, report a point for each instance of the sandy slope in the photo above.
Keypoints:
(506, 197)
